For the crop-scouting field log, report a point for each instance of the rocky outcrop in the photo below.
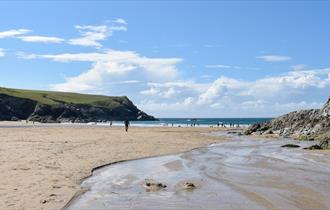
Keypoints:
(16, 108)
(13, 108)
(310, 123)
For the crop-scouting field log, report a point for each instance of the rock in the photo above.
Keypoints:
(44, 201)
(325, 111)
(189, 186)
(258, 127)
(234, 132)
(16, 108)
(268, 132)
(14, 118)
(152, 185)
(290, 146)
(306, 123)
(314, 147)
(324, 144)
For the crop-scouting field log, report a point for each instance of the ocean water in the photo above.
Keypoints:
(199, 122)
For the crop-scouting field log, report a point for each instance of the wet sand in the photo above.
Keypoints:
(42, 166)
(244, 173)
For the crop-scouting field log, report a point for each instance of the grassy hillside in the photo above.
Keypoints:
(53, 98)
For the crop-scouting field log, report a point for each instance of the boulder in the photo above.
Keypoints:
(290, 146)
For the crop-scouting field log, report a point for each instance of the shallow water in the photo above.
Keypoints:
(239, 174)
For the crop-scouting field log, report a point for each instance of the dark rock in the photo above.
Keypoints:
(154, 186)
(14, 118)
(15, 108)
(307, 123)
(258, 127)
(314, 147)
(290, 146)
(324, 144)
(234, 132)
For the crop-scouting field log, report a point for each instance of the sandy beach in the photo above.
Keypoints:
(42, 166)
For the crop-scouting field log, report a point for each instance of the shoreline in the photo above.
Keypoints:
(54, 177)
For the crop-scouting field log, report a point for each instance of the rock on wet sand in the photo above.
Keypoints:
(152, 185)
(290, 146)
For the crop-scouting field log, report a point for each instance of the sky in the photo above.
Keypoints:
(173, 58)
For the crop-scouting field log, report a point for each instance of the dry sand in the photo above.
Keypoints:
(42, 166)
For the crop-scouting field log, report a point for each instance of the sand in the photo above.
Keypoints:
(42, 166)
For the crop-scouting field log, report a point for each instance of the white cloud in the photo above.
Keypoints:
(228, 97)
(274, 58)
(153, 106)
(129, 82)
(298, 67)
(91, 35)
(120, 21)
(13, 33)
(42, 39)
(111, 64)
(150, 92)
(220, 66)
(2, 52)
(220, 87)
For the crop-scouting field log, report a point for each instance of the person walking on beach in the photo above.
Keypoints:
(126, 125)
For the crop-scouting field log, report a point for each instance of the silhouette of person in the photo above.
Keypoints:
(126, 125)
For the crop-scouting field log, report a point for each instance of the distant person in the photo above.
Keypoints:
(110, 123)
(126, 125)
(218, 124)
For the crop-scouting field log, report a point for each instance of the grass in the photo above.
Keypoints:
(53, 98)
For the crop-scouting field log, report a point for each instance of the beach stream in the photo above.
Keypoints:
(244, 173)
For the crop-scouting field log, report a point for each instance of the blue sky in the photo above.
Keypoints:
(173, 58)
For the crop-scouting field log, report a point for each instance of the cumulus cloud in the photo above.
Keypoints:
(2, 52)
(111, 64)
(274, 58)
(174, 89)
(42, 39)
(221, 87)
(91, 35)
(13, 33)
(229, 97)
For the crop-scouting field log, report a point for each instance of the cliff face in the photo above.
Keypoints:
(13, 108)
(107, 109)
(312, 122)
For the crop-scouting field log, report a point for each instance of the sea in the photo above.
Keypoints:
(195, 122)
